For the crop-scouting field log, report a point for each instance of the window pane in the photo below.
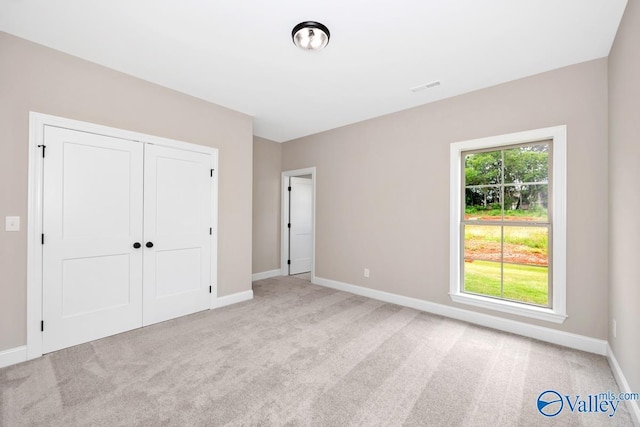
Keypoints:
(526, 257)
(524, 202)
(482, 242)
(529, 163)
(483, 168)
(526, 245)
(482, 277)
(526, 283)
(482, 203)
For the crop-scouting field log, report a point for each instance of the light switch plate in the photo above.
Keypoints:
(12, 223)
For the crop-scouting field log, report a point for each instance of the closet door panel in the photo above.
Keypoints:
(92, 274)
(177, 221)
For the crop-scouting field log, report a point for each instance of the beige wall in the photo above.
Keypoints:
(383, 188)
(624, 195)
(36, 78)
(266, 204)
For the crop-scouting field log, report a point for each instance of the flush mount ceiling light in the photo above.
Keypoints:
(310, 35)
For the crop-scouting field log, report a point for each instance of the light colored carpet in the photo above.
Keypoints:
(306, 276)
(300, 354)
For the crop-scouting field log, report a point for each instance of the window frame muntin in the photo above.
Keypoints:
(558, 134)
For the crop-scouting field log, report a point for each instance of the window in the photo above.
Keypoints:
(506, 228)
(508, 234)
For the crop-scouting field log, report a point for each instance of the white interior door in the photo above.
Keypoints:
(92, 274)
(301, 220)
(177, 222)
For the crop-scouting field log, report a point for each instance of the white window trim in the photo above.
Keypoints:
(558, 311)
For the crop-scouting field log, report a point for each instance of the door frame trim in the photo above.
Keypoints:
(284, 270)
(37, 122)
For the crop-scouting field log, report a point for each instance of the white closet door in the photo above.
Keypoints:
(177, 221)
(92, 274)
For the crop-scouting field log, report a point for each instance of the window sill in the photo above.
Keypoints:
(539, 313)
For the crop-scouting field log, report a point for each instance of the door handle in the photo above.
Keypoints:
(136, 245)
(149, 244)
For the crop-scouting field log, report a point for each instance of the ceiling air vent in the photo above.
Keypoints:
(425, 86)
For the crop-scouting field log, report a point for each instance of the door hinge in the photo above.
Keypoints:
(210, 230)
(43, 148)
(209, 288)
(212, 172)
(289, 188)
(289, 225)
(288, 262)
(42, 238)
(42, 326)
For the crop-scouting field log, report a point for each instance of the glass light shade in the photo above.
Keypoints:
(310, 35)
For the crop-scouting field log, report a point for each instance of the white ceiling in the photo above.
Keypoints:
(239, 53)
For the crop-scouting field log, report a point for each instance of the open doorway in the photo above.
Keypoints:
(298, 223)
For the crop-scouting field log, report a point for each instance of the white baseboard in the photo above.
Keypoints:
(13, 356)
(234, 299)
(566, 339)
(632, 405)
(265, 275)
